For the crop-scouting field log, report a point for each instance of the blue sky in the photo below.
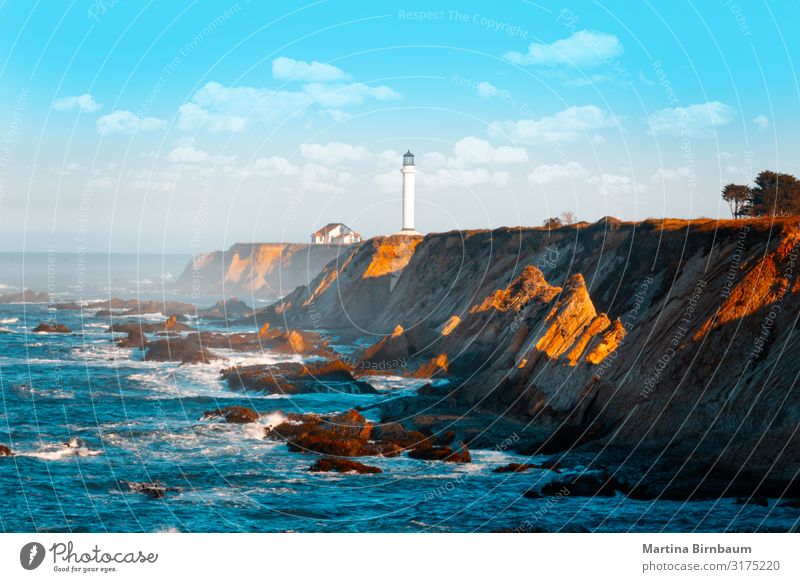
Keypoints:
(187, 127)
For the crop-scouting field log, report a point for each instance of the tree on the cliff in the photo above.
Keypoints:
(738, 198)
(775, 194)
(568, 217)
(552, 222)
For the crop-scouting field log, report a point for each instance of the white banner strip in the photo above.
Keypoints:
(406, 557)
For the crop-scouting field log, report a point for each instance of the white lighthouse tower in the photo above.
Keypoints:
(408, 172)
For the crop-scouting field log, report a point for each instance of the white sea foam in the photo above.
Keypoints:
(64, 451)
(395, 383)
(7, 320)
(57, 394)
(157, 317)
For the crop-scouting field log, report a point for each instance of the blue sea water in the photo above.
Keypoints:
(141, 422)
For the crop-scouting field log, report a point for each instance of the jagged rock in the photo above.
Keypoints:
(5, 451)
(233, 308)
(327, 464)
(435, 453)
(598, 325)
(136, 339)
(51, 328)
(169, 325)
(188, 350)
(516, 468)
(392, 254)
(585, 485)
(571, 314)
(435, 366)
(450, 324)
(341, 435)
(528, 285)
(234, 414)
(396, 434)
(296, 378)
(154, 489)
(609, 342)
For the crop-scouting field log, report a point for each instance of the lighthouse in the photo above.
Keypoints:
(408, 170)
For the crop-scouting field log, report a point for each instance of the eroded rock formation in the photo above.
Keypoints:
(637, 340)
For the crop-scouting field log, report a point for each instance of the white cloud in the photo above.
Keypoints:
(762, 123)
(584, 48)
(188, 154)
(473, 151)
(273, 166)
(339, 96)
(570, 124)
(700, 120)
(334, 152)
(545, 173)
(449, 178)
(218, 108)
(290, 69)
(681, 174)
(121, 121)
(615, 184)
(84, 103)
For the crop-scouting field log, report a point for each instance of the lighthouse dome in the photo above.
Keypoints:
(408, 158)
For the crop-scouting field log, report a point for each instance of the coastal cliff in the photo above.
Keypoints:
(664, 343)
(264, 270)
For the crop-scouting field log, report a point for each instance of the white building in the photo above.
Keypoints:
(335, 233)
(409, 171)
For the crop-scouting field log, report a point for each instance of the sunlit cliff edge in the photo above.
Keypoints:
(264, 270)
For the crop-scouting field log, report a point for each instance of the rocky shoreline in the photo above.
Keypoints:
(662, 369)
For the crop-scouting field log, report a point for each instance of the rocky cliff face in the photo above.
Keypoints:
(265, 270)
(632, 340)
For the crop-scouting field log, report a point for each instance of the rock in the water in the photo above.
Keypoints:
(532, 494)
(296, 378)
(188, 350)
(135, 339)
(153, 489)
(233, 308)
(341, 435)
(5, 451)
(51, 328)
(433, 453)
(516, 468)
(327, 464)
(234, 414)
(585, 485)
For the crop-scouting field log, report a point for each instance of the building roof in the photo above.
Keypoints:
(330, 226)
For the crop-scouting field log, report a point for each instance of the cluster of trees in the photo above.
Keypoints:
(774, 194)
(565, 219)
